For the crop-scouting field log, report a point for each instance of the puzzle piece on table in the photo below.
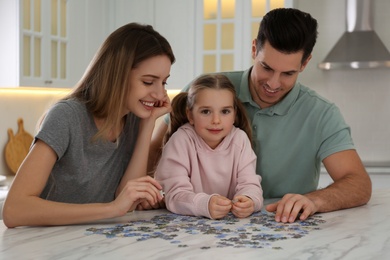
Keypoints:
(258, 231)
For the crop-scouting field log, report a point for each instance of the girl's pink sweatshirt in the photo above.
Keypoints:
(191, 172)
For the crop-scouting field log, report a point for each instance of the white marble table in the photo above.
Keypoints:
(358, 233)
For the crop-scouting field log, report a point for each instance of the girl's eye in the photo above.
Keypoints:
(226, 111)
(205, 111)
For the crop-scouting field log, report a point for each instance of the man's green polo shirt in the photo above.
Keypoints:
(292, 137)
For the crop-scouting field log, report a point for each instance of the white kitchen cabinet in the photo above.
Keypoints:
(9, 44)
(183, 23)
(225, 31)
(38, 27)
(44, 42)
(49, 42)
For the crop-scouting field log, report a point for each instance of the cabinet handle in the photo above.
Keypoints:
(48, 82)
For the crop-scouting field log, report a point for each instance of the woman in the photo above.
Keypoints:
(88, 160)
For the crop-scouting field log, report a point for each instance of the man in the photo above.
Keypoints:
(293, 127)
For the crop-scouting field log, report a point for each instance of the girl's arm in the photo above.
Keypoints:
(173, 172)
(248, 182)
(24, 207)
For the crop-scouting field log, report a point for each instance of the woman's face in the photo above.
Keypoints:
(213, 115)
(147, 85)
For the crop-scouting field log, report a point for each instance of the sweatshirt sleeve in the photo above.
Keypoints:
(174, 173)
(248, 182)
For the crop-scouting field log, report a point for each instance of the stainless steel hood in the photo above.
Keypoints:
(359, 47)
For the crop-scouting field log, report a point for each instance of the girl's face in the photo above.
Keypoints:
(147, 85)
(213, 115)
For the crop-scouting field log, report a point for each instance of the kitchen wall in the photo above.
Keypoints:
(362, 95)
(27, 103)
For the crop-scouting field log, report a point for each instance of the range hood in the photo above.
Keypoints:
(359, 47)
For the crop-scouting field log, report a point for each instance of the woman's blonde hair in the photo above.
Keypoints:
(104, 86)
(186, 100)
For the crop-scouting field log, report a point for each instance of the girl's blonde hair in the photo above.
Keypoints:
(104, 86)
(186, 100)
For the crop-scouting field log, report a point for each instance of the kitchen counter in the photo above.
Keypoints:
(5, 182)
(357, 233)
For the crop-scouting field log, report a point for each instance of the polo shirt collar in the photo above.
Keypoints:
(244, 95)
(280, 108)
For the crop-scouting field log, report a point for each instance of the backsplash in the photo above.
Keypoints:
(363, 96)
(27, 103)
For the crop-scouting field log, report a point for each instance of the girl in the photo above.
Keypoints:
(88, 160)
(207, 167)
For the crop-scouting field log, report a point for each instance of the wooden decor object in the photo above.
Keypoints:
(17, 147)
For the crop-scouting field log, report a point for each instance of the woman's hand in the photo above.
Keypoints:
(242, 206)
(145, 205)
(141, 190)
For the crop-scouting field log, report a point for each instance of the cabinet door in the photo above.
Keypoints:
(44, 42)
(9, 44)
(174, 19)
(225, 32)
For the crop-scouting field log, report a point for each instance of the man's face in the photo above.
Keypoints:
(273, 74)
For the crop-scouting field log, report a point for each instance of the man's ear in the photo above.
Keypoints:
(304, 64)
(254, 49)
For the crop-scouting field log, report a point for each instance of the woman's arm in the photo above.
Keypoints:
(138, 163)
(156, 146)
(24, 207)
(139, 160)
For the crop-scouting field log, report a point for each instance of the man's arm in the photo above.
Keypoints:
(156, 146)
(351, 188)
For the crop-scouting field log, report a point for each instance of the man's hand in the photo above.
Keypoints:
(290, 206)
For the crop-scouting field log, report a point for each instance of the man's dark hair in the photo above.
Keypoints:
(288, 30)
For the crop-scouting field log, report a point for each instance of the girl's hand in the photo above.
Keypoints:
(219, 206)
(140, 190)
(242, 206)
